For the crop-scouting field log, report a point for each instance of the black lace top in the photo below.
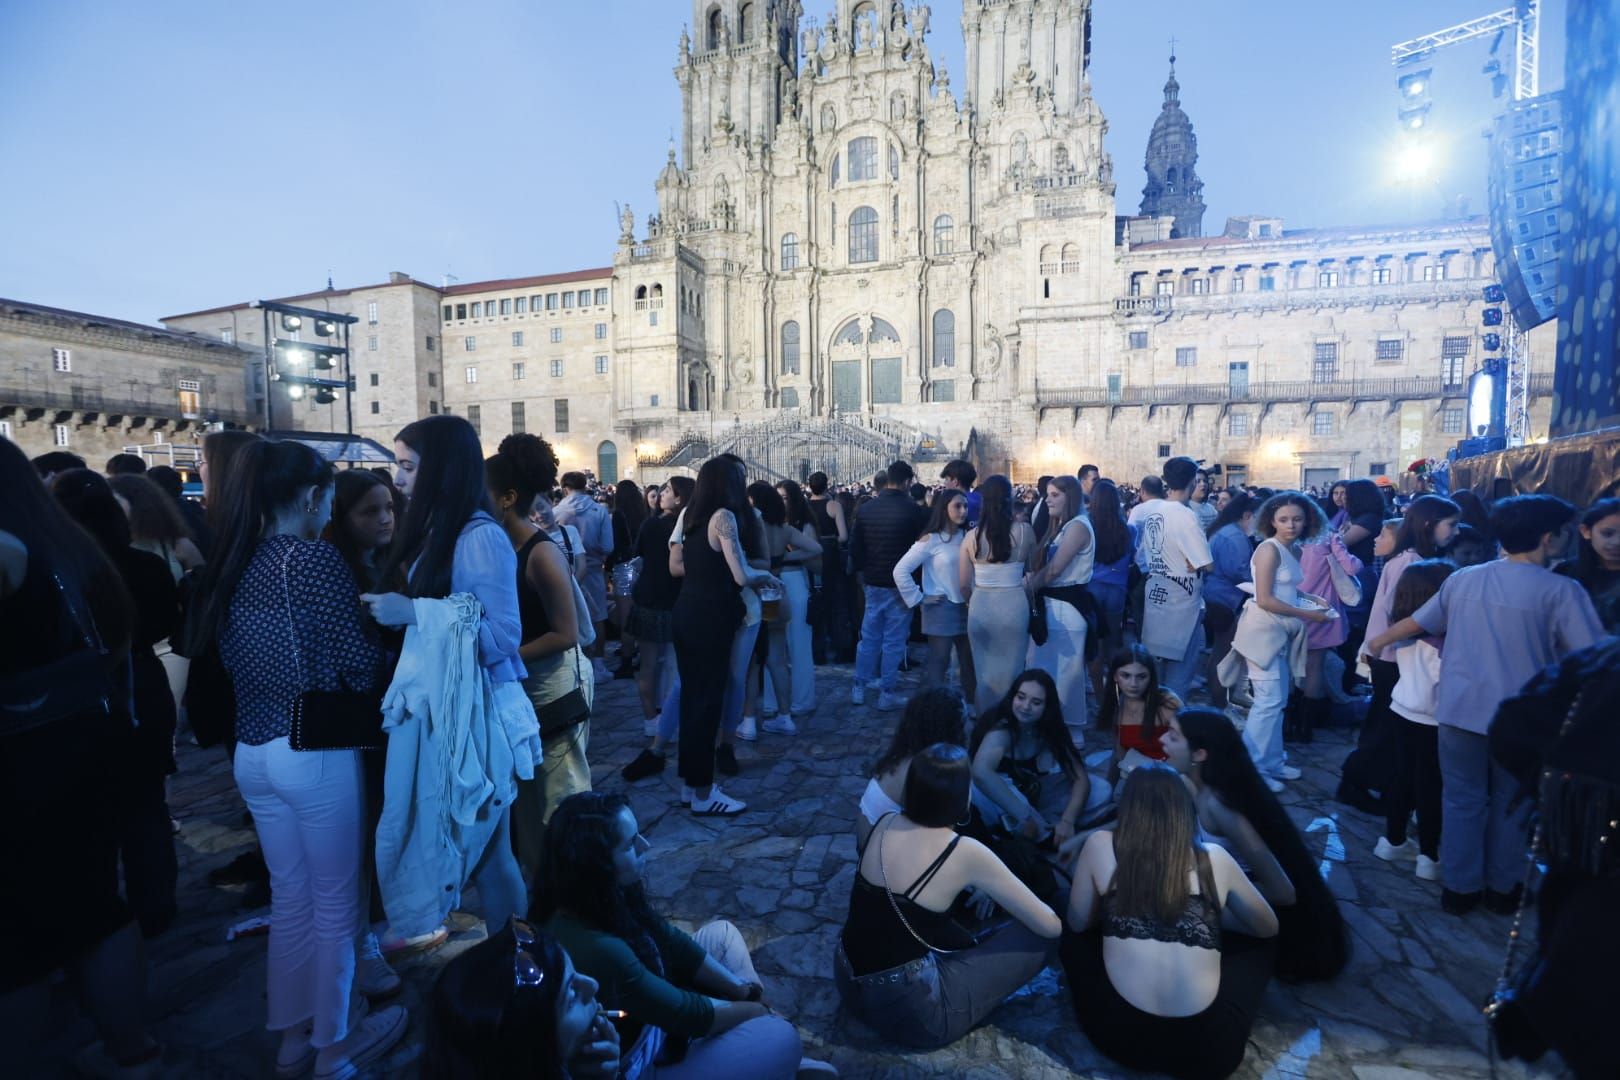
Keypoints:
(1199, 925)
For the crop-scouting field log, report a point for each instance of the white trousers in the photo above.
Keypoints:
(307, 809)
(1064, 658)
(1263, 731)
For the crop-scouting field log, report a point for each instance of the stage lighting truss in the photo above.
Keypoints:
(1492, 342)
(308, 370)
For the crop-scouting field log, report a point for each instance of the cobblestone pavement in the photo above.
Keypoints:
(1406, 1007)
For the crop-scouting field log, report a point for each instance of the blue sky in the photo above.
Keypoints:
(170, 155)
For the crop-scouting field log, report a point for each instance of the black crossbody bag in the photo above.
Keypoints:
(74, 684)
(341, 719)
(566, 711)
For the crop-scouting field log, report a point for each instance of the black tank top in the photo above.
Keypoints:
(708, 589)
(825, 525)
(530, 608)
(876, 939)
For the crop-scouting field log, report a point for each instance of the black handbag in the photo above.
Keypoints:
(1037, 619)
(74, 684)
(341, 719)
(566, 711)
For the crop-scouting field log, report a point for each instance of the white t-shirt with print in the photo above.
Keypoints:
(1170, 541)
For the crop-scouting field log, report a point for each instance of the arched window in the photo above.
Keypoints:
(745, 23)
(657, 290)
(1071, 259)
(863, 235)
(641, 292)
(790, 251)
(894, 163)
(944, 234)
(607, 463)
(863, 158)
(865, 23)
(790, 348)
(883, 330)
(717, 24)
(849, 334)
(944, 338)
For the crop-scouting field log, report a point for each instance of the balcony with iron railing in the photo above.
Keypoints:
(135, 401)
(1412, 388)
(1367, 295)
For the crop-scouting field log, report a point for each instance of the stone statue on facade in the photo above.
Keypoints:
(920, 16)
(627, 225)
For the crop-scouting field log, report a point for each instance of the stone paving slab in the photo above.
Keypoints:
(1406, 1008)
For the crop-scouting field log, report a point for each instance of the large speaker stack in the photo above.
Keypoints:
(1526, 189)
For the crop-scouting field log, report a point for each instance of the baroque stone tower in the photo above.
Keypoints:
(1173, 188)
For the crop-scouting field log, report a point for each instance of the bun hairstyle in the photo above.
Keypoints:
(526, 465)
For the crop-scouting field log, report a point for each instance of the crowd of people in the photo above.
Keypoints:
(403, 666)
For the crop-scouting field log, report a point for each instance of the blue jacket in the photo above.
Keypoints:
(1232, 552)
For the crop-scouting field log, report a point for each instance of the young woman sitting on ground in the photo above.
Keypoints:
(904, 965)
(1027, 774)
(696, 1008)
(935, 715)
(1136, 708)
(1238, 812)
(1167, 953)
(513, 1007)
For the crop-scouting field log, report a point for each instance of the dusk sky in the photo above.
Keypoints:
(166, 156)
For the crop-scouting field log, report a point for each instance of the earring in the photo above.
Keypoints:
(309, 508)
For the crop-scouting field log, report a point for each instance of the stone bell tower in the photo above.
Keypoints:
(1173, 188)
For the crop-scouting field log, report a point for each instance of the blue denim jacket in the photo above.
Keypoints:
(1232, 552)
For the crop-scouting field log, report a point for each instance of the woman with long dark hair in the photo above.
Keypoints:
(937, 714)
(628, 515)
(1028, 775)
(719, 531)
(155, 524)
(700, 990)
(556, 666)
(1110, 569)
(1058, 572)
(904, 964)
(283, 607)
(1364, 519)
(67, 621)
(514, 1007)
(450, 543)
(1597, 566)
(1425, 533)
(1165, 949)
(146, 747)
(788, 549)
(994, 558)
(938, 554)
(797, 571)
(1231, 548)
(216, 470)
(653, 621)
(1237, 810)
(362, 525)
(1135, 708)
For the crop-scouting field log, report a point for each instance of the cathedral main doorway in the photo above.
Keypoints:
(846, 380)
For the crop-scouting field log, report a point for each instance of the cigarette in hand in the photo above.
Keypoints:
(613, 1014)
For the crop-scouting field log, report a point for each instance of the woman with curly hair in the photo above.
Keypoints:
(1238, 811)
(695, 1005)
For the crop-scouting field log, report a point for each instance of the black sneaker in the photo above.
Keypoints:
(725, 760)
(646, 764)
(1458, 903)
(1360, 798)
(1503, 903)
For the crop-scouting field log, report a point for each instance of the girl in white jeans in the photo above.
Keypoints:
(1285, 520)
(284, 608)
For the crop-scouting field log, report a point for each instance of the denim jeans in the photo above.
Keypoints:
(307, 811)
(742, 653)
(1178, 675)
(1482, 844)
(884, 631)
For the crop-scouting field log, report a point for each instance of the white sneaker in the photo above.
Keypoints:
(372, 975)
(780, 725)
(649, 727)
(888, 702)
(1427, 869)
(1405, 851)
(1274, 784)
(1288, 772)
(748, 731)
(366, 1044)
(295, 1055)
(718, 804)
(857, 693)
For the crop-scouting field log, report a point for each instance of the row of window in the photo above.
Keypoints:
(1324, 423)
(1386, 350)
(470, 342)
(519, 369)
(863, 245)
(522, 305)
(1165, 285)
(520, 420)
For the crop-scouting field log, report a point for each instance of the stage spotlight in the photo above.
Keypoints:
(1495, 294)
(325, 327)
(295, 356)
(1414, 85)
(1492, 342)
(295, 392)
(1413, 119)
(324, 396)
(1414, 161)
(291, 323)
(1491, 316)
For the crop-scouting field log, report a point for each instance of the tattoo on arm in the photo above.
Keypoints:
(726, 525)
